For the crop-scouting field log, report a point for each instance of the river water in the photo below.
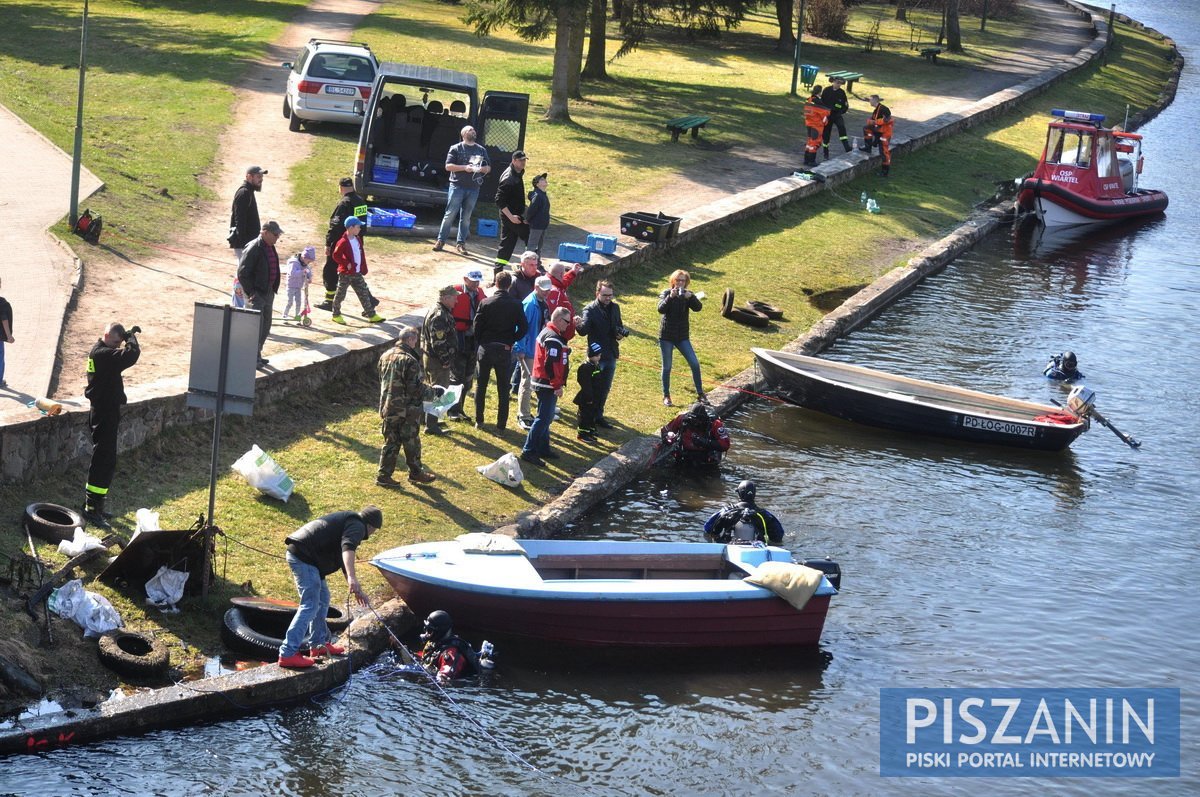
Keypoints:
(965, 566)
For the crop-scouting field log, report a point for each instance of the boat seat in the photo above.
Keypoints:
(644, 566)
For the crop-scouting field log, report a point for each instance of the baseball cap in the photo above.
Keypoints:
(353, 221)
(273, 226)
(256, 170)
(544, 283)
(520, 155)
(473, 274)
(345, 182)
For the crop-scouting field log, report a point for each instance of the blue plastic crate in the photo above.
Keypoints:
(382, 174)
(604, 244)
(403, 219)
(380, 217)
(574, 253)
(488, 228)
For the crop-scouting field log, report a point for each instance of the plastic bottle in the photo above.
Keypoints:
(862, 198)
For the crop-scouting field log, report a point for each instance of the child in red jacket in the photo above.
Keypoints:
(351, 259)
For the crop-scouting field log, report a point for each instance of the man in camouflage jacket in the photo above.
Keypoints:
(402, 390)
(440, 344)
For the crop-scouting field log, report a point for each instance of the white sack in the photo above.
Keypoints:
(81, 542)
(264, 474)
(165, 588)
(506, 470)
(441, 405)
(91, 611)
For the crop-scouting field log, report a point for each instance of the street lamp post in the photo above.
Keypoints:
(796, 59)
(78, 156)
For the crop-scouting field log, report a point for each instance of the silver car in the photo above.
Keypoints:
(325, 80)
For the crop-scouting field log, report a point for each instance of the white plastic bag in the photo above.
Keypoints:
(81, 542)
(264, 474)
(91, 611)
(147, 520)
(441, 405)
(165, 588)
(506, 470)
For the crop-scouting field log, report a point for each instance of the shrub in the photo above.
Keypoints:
(827, 19)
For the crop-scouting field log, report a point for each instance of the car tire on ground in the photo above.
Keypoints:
(727, 302)
(239, 637)
(771, 312)
(273, 616)
(52, 522)
(133, 654)
(750, 318)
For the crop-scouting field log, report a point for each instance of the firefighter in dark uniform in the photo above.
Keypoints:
(835, 99)
(112, 354)
(510, 198)
(351, 204)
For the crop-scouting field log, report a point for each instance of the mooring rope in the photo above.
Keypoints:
(413, 667)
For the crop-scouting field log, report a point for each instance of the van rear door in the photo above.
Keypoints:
(502, 119)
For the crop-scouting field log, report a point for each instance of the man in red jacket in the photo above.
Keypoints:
(549, 375)
(466, 306)
(351, 259)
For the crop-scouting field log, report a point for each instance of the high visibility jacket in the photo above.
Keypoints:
(815, 115)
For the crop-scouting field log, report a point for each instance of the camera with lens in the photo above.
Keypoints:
(133, 330)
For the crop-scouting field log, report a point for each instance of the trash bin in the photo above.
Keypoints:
(808, 74)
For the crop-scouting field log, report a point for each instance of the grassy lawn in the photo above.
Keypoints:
(329, 441)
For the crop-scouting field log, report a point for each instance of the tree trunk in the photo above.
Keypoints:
(953, 35)
(578, 37)
(785, 13)
(595, 67)
(901, 12)
(558, 110)
(618, 6)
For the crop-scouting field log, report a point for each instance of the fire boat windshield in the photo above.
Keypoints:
(1069, 147)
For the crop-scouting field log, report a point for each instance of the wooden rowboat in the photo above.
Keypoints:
(889, 401)
(629, 594)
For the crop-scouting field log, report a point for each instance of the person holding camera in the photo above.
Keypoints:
(116, 350)
(402, 393)
(675, 303)
(601, 322)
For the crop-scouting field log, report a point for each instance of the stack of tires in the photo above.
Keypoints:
(752, 313)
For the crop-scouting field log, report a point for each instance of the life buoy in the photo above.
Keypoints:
(52, 522)
(133, 654)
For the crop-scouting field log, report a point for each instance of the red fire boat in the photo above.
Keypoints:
(1088, 174)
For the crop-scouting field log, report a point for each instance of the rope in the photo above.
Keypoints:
(247, 545)
(409, 657)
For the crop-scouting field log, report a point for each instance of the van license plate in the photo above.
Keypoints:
(340, 90)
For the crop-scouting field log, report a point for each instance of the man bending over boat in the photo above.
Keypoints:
(698, 438)
(744, 522)
(446, 655)
(1063, 367)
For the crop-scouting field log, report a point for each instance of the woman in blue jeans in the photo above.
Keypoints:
(675, 303)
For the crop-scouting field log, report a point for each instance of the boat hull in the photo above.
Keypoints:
(639, 624)
(1057, 205)
(912, 405)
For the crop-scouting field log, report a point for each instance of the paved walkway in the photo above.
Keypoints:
(36, 271)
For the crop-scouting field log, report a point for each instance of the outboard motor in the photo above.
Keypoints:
(1081, 401)
(831, 569)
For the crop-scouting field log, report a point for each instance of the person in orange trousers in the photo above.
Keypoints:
(879, 128)
(816, 116)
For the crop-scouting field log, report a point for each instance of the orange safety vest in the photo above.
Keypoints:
(815, 115)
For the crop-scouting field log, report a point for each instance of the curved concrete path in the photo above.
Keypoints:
(37, 272)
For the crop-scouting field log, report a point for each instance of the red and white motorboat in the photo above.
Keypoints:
(1088, 174)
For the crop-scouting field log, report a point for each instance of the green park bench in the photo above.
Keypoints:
(849, 77)
(931, 53)
(684, 123)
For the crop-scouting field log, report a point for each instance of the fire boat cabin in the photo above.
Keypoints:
(1088, 174)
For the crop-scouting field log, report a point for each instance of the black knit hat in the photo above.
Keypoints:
(372, 516)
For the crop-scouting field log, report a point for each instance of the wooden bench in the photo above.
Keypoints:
(684, 123)
(849, 77)
(931, 53)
